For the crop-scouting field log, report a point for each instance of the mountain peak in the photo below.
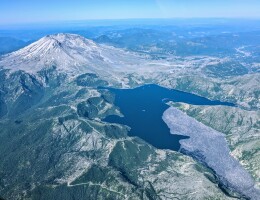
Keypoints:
(62, 50)
(51, 44)
(67, 39)
(71, 53)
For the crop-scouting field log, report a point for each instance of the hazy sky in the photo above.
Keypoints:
(23, 11)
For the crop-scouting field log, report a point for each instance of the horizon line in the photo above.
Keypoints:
(126, 19)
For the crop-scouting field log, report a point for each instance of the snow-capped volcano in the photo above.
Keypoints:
(68, 52)
(58, 45)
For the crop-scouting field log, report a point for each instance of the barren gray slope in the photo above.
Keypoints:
(210, 147)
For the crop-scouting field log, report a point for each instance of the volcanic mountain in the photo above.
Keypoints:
(68, 52)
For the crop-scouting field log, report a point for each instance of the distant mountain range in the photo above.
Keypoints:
(9, 44)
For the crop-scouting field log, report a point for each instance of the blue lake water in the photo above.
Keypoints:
(143, 108)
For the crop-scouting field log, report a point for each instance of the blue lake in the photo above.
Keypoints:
(143, 108)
